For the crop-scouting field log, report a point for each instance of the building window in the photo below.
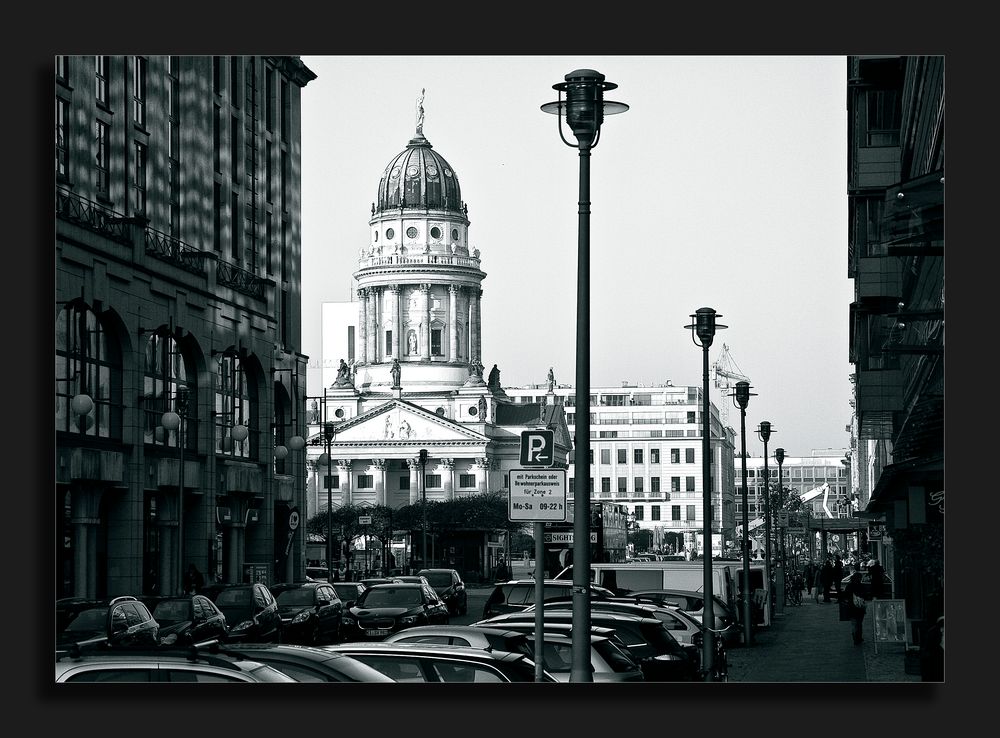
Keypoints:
(165, 377)
(689, 455)
(675, 484)
(675, 456)
(623, 484)
(436, 342)
(654, 485)
(637, 484)
(217, 75)
(233, 407)
(285, 110)
(605, 455)
(173, 148)
(434, 481)
(139, 180)
(590, 456)
(622, 456)
(637, 455)
(366, 481)
(234, 225)
(102, 70)
(640, 512)
(269, 96)
(404, 482)
(217, 217)
(467, 481)
(692, 417)
(884, 115)
(689, 484)
(234, 81)
(62, 68)
(268, 171)
(388, 343)
(234, 149)
(102, 134)
(268, 243)
(606, 484)
(675, 512)
(654, 456)
(139, 91)
(83, 366)
(62, 147)
(690, 511)
(654, 512)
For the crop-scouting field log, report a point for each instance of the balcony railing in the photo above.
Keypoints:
(419, 259)
(175, 251)
(92, 216)
(239, 279)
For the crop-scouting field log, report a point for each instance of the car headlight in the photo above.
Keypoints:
(301, 617)
(245, 625)
(408, 619)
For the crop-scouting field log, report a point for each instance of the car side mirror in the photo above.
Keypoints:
(322, 601)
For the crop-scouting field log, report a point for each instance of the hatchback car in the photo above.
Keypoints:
(163, 666)
(250, 610)
(311, 612)
(609, 662)
(387, 608)
(307, 663)
(349, 592)
(649, 643)
(188, 619)
(681, 625)
(118, 621)
(517, 594)
(450, 588)
(429, 662)
(693, 603)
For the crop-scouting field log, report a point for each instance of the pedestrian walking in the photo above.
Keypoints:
(827, 578)
(856, 606)
(817, 582)
(838, 574)
(877, 576)
(193, 580)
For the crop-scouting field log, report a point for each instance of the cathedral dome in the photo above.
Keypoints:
(420, 178)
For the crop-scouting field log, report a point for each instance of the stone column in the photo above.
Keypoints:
(474, 345)
(453, 322)
(363, 325)
(481, 467)
(448, 480)
(344, 470)
(414, 466)
(425, 322)
(372, 328)
(397, 326)
(380, 492)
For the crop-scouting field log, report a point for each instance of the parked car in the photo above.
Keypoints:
(187, 619)
(609, 662)
(450, 588)
(349, 592)
(250, 609)
(649, 643)
(681, 625)
(311, 612)
(517, 594)
(387, 608)
(430, 662)
(307, 663)
(410, 578)
(317, 574)
(372, 581)
(693, 603)
(173, 666)
(117, 621)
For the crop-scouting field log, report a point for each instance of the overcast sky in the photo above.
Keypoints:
(724, 185)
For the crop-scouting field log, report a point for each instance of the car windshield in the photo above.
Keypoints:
(391, 597)
(298, 596)
(346, 591)
(439, 579)
(89, 620)
(172, 611)
(238, 597)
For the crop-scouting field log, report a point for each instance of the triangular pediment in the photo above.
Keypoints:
(398, 422)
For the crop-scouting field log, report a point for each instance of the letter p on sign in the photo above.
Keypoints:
(537, 448)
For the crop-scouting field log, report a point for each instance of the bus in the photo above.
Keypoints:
(608, 537)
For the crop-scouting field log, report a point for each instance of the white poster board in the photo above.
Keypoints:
(889, 623)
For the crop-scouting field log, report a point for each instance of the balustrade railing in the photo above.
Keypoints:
(239, 279)
(92, 216)
(174, 250)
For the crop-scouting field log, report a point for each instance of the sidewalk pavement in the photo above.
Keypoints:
(809, 643)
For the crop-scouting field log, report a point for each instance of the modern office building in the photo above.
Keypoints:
(896, 112)
(646, 453)
(409, 371)
(179, 379)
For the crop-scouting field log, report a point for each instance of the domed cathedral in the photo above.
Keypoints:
(419, 280)
(410, 413)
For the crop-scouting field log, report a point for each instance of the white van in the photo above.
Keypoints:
(687, 575)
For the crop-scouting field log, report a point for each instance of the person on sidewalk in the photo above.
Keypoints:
(877, 576)
(827, 576)
(817, 582)
(838, 574)
(857, 612)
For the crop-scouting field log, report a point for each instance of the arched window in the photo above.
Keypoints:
(165, 377)
(232, 407)
(84, 366)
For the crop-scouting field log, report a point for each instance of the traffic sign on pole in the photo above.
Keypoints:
(537, 447)
(537, 495)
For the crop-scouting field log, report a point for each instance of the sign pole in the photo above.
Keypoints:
(539, 597)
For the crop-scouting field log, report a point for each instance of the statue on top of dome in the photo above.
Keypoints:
(420, 113)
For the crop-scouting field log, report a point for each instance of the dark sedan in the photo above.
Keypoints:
(349, 592)
(450, 588)
(188, 619)
(387, 608)
(311, 612)
(250, 609)
(307, 664)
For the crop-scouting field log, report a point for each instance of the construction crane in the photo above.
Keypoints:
(726, 374)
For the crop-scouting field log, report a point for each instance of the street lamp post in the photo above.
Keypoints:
(175, 421)
(584, 110)
(703, 327)
(764, 431)
(423, 505)
(779, 456)
(741, 398)
(329, 431)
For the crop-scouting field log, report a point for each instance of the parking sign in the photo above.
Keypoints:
(537, 448)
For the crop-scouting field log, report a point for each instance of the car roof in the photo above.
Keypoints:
(386, 585)
(425, 649)
(424, 571)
